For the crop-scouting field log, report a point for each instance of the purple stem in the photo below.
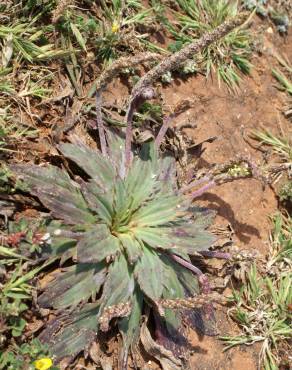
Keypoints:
(163, 130)
(129, 118)
(194, 183)
(137, 100)
(203, 280)
(100, 126)
(216, 254)
(202, 190)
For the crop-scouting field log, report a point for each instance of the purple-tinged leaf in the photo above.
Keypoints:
(75, 285)
(57, 192)
(99, 201)
(78, 334)
(95, 165)
(97, 244)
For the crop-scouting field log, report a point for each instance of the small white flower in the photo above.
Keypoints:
(46, 237)
(57, 232)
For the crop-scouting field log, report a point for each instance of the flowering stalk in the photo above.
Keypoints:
(100, 126)
(163, 130)
(203, 189)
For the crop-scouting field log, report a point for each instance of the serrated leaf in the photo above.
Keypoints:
(149, 273)
(202, 241)
(96, 166)
(187, 278)
(121, 201)
(172, 289)
(115, 149)
(59, 245)
(57, 192)
(187, 239)
(97, 244)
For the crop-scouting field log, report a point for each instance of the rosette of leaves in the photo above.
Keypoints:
(118, 232)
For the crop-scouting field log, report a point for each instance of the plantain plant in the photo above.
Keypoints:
(122, 231)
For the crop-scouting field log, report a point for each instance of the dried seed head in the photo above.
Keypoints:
(119, 310)
(62, 5)
(192, 302)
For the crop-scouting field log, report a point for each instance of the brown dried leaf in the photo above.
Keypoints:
(94, 353)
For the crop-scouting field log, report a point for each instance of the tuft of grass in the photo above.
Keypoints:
(281, 146)
(28, 42)
(281, 240)
(12, 132)
(284, 79)
(263, 304)
(229, 57)
(108, 29)
(285, 83)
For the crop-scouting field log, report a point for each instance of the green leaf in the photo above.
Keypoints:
(140, 182)
(17, 326)
(172, 289)
(132, 247)
(60, 245)
(115, 148)
(158, 211)
(99, 201)
(78, 36)
(119, 285)
(149, 273)
(154, 237)
(187, 238)
(97, 244)
(121, 202)
(96, 166)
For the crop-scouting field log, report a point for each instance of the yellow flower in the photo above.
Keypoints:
(43, 364)
(115, 27)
